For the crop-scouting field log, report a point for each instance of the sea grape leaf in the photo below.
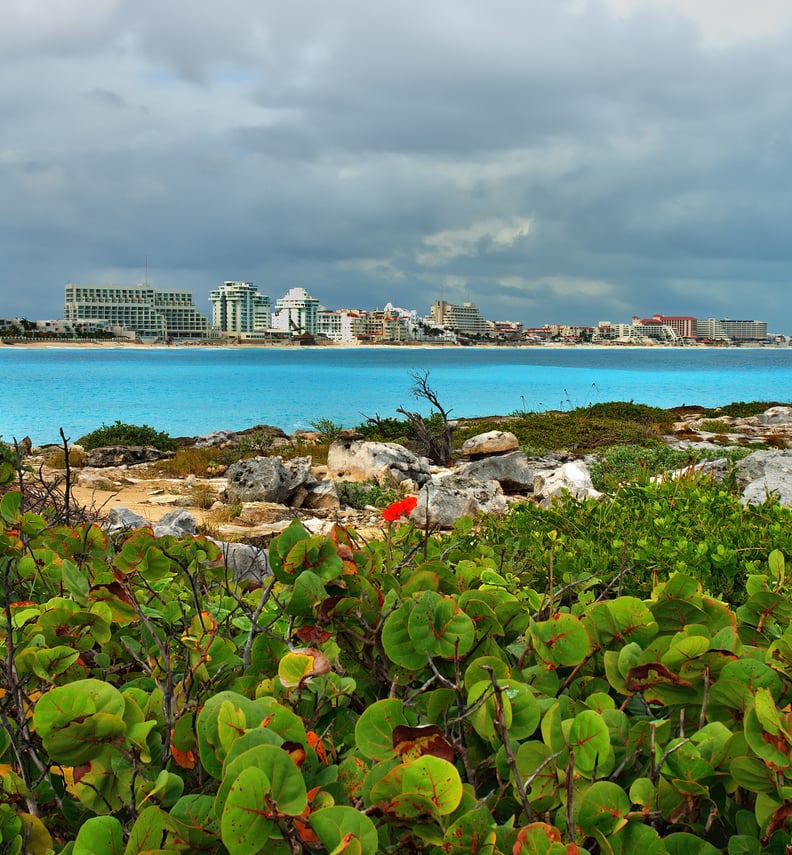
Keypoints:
(299, 665)
(148, 830)
(436, 779)
(475, 672)
(99, 835)
(561, 641)
(374, 728)
(636, 837)
(308, 592)
(438, 627)
(210, 747)
(471, 834)
(247, 822)
(413, 742)
(333, 825)
(397, 642)
(683, 843)
(534, 763)
(603, 807)
(752, 775)
(589, 738)
(196, 818)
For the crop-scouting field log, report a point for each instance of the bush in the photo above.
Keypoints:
(124, 434)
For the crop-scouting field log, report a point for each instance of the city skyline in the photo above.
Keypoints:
(547, 159)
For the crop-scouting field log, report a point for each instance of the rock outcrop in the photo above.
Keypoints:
(491, 442)
(512, 471)
(270, 479)
(386, 463)
(123, 455)
(572, 477)
(445, 499)
(764, 473)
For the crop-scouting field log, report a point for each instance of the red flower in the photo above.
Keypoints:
(396, 510)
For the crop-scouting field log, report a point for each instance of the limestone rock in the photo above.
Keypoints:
(512, 471)
(491, 442)
(264, 513)
(443, 501)
(572, 477)
(323, 495)
(177, 523)
(247, 563)
(776, 416)
(123, 455)
(217, 439)
(268, 479)
(763, 473)
(122, 519)
(387, 463)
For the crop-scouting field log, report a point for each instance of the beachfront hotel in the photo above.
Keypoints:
(152, 315)
(239, 308)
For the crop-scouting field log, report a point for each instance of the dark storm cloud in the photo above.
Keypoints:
(550, 160)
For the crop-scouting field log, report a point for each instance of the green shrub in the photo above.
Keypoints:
(622, 463)
(124, 434)
(741, 409)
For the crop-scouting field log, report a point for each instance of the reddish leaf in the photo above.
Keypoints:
(417, 741)
(639, 678)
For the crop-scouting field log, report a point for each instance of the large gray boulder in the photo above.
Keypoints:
(572, 478)
(247, 563)
(491, 442)
(269, 479)
(387, 463)
(776, 416)
(764, 473)
(444, 500)
(177, 523)
(512, 471)
(123, 455)
(123, 519)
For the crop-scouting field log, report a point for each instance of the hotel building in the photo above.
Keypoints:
(239, 307)
(148, 312)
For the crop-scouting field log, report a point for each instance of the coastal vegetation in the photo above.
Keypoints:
(590, 677)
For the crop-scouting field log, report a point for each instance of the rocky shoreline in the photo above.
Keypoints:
(491, 473)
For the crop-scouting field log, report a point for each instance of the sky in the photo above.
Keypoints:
(551, 161)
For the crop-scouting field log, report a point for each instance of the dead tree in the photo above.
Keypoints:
(433, 439)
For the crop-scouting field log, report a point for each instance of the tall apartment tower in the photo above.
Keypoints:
(239, 307)
(296, 312)
(150, 313)
(464, 319)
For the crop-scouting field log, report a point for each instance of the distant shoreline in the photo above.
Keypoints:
(616, 346)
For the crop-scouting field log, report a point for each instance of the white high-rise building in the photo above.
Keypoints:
(239, 307)
(296, 313)
(150, 313)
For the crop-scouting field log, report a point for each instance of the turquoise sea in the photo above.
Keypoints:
(192, 391)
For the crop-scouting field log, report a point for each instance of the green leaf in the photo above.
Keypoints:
(374, 728)
(435, 779)
(10, 505)
(603, 807)
(438, 627)
(397, 643)
(636, 837)
(74, 580)
(682, 843)
(196, 818)
(471, 834)
(561, 641)
(100, 835)
(332, 825)
(247, 822)
(148, 830)
(589, 738)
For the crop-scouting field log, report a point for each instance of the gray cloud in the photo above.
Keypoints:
(550, 160)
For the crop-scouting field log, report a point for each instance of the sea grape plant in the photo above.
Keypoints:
(412, 694)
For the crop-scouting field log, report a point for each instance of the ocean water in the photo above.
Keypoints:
(192, 391)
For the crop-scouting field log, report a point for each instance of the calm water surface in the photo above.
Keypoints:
(192, 391)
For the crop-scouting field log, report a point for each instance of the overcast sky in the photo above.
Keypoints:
(549, 160)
